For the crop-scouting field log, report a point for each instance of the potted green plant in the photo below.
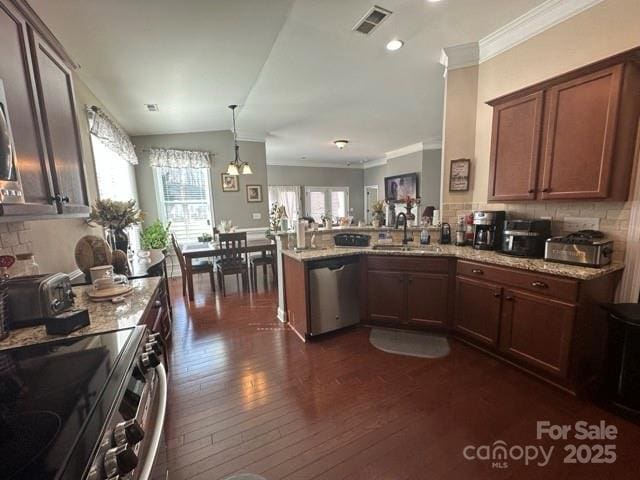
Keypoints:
(116, 216)
(155, 236)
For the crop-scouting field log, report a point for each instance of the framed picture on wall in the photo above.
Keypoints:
(230, 183)
(254, 193)
(459, 175)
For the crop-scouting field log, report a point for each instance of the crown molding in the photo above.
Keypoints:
(460, 56)
(315, 164)
(399, 152)
(375, 163)
(532, 23)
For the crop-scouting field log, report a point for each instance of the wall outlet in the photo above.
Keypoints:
(573, 224)
(257, 216)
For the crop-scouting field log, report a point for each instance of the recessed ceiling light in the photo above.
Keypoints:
(341, 143)
(394, 45)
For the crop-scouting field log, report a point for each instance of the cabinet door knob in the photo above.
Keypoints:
(477, 271)
(546, 190)
(539, 284)
(532, 190)
(497, 294)
(509, 298)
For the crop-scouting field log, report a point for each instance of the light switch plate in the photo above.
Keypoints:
(257, 216)
(573, 224)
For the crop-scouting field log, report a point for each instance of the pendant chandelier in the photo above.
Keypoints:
(237, 166)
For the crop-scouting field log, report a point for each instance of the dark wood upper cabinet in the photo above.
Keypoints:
(515, 148)
(23, 111)
(580, 132)
(570, 137)
(537, 331)
(57, 103)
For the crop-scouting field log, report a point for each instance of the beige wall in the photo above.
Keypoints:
(604, 30)
(226, 205)
(53, 241)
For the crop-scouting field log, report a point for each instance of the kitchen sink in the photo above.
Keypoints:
(407, 248)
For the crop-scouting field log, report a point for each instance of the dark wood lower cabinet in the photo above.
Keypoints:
(478, 310)
(537, 330)
(386, 296)
(427, 296)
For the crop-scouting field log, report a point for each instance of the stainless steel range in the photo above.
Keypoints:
(90, 407)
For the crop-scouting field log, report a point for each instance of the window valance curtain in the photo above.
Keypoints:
(170, 158)
(111, 134)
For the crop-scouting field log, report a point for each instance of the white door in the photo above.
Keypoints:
(370, 197)
(326, 201)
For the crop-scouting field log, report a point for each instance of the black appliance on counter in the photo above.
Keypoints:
(445, 234)
(487, 230)
(351, 240)
(525, 238)
(86, 408)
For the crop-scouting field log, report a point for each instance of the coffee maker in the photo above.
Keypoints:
(487, 230)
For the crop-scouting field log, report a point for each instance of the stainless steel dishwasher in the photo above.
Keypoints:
(333, 288)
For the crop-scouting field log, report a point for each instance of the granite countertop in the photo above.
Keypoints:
(465, 253)
(356, 229)
(104, 316)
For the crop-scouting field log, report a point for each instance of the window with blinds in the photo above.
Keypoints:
(116, 180)
(184, 199)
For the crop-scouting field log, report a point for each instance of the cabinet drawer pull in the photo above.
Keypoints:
(509, 298)
(532, 190)
(497, 294)
(546, 190)
(539, 284)
(477, 271)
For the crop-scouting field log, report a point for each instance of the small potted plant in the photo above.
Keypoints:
(205, 238)
(155, 236)
(328, 221)
(116, 216)
(378, 213)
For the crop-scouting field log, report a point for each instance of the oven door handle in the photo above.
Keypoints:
(145, 473)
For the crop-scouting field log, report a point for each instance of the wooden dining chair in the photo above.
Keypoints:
(233, 259)
(197, 266)
(263, 261)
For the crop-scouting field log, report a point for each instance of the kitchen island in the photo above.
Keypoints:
(145, 305)
(541, 316)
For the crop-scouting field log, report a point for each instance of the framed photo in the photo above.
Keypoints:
(254, 193)
(399, 187)
(459, 175)
(230, 183)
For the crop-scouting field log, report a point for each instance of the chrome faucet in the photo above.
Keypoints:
(405, 239)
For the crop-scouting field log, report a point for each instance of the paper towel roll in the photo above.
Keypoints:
(301, 237)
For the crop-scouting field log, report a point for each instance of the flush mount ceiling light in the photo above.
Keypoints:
(433, 1)
(394, 45)
(237, 166)
(341, 143)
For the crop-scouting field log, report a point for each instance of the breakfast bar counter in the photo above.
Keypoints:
(105, 316)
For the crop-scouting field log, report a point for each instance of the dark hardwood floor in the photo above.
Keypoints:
(246, 395)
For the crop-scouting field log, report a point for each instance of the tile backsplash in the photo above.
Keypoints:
(614, 216)
(15, 239)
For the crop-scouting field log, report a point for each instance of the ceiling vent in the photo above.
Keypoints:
(371, 20)
(151, 107)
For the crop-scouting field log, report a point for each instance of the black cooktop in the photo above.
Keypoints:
(55, 399)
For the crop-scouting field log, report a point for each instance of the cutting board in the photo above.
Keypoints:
(106, 294)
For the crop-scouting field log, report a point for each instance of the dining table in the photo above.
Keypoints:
(213, 249)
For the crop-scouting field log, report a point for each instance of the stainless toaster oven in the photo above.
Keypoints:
(33, 298)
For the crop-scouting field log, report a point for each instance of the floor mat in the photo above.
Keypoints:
(414, 344)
